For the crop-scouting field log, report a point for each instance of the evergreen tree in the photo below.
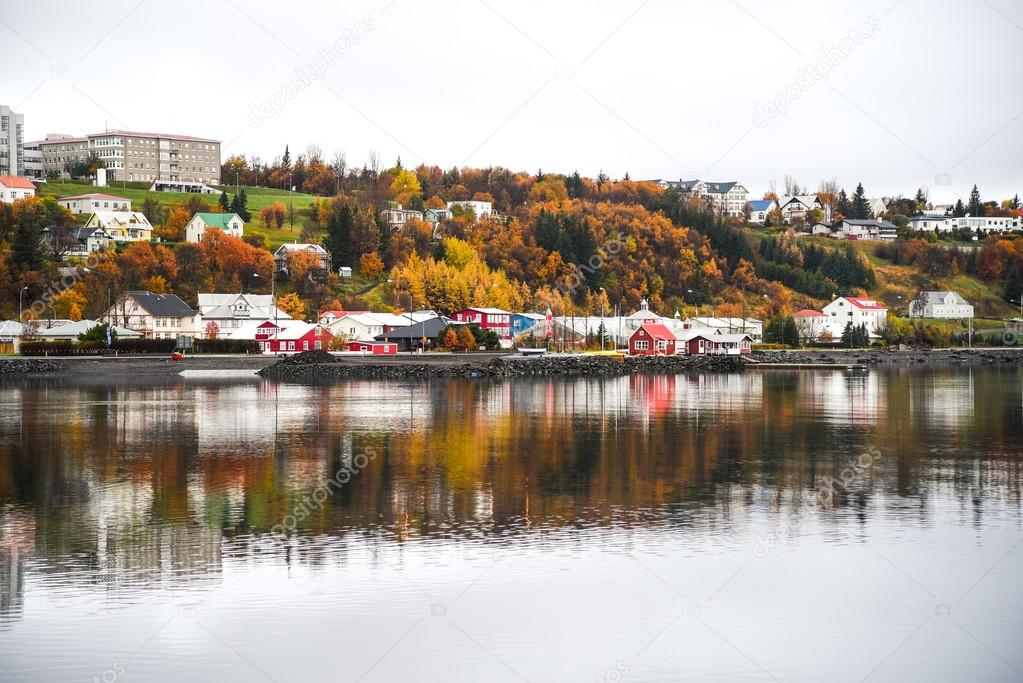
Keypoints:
(860, 207)
(224, 204)
(958, 211)
(921, 201)
(1015, 202)
(1013, 285)
(975, 206)
(27, 247)
(843, 204)
(286, 159)
(243, 206)
(574, 185)
(339, 233)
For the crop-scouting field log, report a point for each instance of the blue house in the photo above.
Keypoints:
(759, 208)
(523, 322)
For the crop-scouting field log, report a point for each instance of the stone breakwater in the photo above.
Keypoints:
(300, 368)
(883, 357)
(29, 366)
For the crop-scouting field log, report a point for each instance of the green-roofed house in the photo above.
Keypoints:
(228, 223)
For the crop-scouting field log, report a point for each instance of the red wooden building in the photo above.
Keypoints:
(291, 336)
(487, 318)
(726, 344)
(376, 348)
(652, 339)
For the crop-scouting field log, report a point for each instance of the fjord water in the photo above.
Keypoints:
(776, 525)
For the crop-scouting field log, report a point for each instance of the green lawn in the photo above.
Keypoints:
(258, 197)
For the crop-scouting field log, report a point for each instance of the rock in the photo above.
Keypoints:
(30, 366)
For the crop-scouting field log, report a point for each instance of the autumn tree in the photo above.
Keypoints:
(292, 305)
(370, 265)
(450, 339)
(466, 340)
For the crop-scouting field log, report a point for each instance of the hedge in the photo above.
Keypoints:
(225, 346)
(70, 348)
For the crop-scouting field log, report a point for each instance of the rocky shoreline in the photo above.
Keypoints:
(323, 366)
(30, 366)
(888, 357)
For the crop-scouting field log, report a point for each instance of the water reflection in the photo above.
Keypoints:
(112, 493)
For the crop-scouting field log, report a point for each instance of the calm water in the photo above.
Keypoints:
(787, 526)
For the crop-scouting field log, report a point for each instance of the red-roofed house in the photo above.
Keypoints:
(810, 324)
(13, 187)
(652, 339)
(717, 343)
(328, 317)
(291, 336)
(873, 315)
(93, 202)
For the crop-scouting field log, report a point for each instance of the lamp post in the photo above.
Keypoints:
(21, 305)
(602, 328)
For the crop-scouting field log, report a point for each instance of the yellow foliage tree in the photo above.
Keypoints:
(292, 305)
(370, 265)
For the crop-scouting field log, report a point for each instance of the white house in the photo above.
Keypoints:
(283, 255)
(728, 198)
(751, 326)
(354, 326)
(93, 202)
(156, 316)
(985, 224)
(876, 207)
(69, 331)
(13, 188)
(397, 218)
(866, 229)
(123, 226)
(11, 332)
(231, 312)
(479, 208)
(759, 210)
(856, 310)
(812, 325)
(227, 223)
(940, 305)
(797, 206)
(80, 241)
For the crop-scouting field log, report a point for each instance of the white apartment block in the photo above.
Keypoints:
(479, 208)
(727, 198)
(985, 224)
(131, 155)
(12, 142)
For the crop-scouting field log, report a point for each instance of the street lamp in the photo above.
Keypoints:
(21, 305)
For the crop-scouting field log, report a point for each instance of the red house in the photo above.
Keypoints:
(487, 318)
(726, 344)
(376, 348)
(291, 336)
(652, 339)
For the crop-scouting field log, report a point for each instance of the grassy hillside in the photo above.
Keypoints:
(258, 197)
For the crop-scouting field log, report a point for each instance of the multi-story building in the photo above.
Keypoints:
(873, 315)
(131, 155)
(985, 224)
(157, 316)
(33, 161)
(728, 198)
(123, 226)
(12, 142)
(93, 202)
(940, 305)
(796, 208)
(479, 208)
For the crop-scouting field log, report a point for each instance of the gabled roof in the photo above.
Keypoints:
(939, 298)
(870, 223)
(94, 195)
(73, 329)
(315, 248)
(760, 204)
(712, 187)
(161, 305)
(10, 328)
(488, 311)
(216, 220)
(121, 218)
(865, 304)
(809, 313)
(16, 181)
(428, 328)
(807, 200)
(656, 331)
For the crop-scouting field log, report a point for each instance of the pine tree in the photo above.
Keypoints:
(27, 247)
(975, 206)
(1013, 285)
(958, 211)
(843, 204)
(339, 233)
(860, 207)
(224, 204)
(921, 200)
(243, 206)
(286, 159)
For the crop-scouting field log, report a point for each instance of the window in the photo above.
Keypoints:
(642, 345)
(291, 346)
(305, 345)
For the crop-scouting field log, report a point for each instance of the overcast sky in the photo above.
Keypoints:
(893, 94)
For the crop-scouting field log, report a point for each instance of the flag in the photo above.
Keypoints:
(550, 322)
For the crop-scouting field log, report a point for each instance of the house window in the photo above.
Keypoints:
(642, 345)
(305, 345)
(291, 346)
